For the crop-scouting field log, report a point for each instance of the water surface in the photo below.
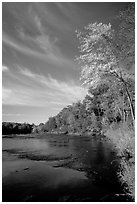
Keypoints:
(72, 168)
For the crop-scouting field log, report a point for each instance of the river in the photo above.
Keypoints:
(58, 168)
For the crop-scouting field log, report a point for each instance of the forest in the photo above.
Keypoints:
(16, 128)
(107, 60)
(100, 108)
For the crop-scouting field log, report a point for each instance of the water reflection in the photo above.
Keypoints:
(28, 144)
(93, 151)
(29, 163)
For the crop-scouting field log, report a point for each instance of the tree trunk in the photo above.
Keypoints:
(131, 105)
(129, 100)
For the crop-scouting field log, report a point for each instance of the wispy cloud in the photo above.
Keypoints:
(69, 10)
(5, 68)
(38, 41)
(42, 42)
(44, 50)
(5, 93)
(23, 97)
(53, 18)
(50, 92)
(27, 72)
(14, 97)
(68, 89)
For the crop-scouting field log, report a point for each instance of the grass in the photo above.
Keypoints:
(123, 139)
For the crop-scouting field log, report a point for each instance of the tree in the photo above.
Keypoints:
(103, 54)
(126, 34)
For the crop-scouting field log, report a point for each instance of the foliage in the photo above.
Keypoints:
(16, 128)
(72, 119)
(123, 138)
(101, 107)
(126, 35)
(104, 55)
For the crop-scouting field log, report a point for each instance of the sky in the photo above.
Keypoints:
(40, 75)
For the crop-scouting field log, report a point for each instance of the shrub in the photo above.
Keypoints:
(123, 138)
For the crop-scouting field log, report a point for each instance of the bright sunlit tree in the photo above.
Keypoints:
(104, 55)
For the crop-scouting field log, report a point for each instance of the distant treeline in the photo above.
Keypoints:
(16, 128)
(75, 118)
(72, 119)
